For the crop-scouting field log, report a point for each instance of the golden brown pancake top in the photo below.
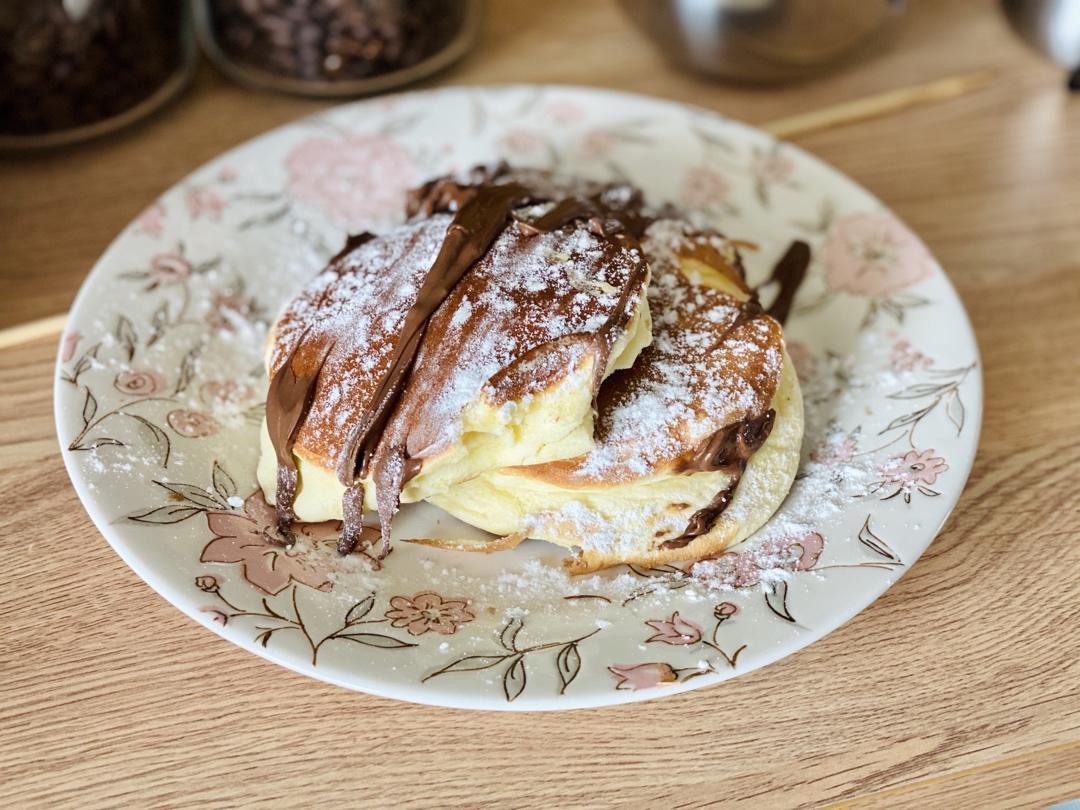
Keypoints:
(531, 303)
(709, 366)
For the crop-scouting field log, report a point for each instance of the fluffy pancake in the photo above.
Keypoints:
(501, 371)
(696, 445)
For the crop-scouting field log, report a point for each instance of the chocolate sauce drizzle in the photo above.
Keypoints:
(789, 273)
(469, 236)
(730, 448)
(291, 391)
(727, 450)
(617, 228)
(375, 445)
(484, 206)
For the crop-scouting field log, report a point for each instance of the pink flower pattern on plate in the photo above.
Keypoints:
(429, 612)
(772, 166)
(354, 179)
(152, 220)
(69, 344)
(725, 611)
(204, 202)
(249, 537)
(675, 630)
(564, 111)
(216, 616)
(169, 268)
(835, 450)
(225, 393)
(597, 143)
(144, 383)
(906, 357)
(642, 676)
(874, 256)
(192, 424)
(522, 142)
(915, 470)
(746, 568)
(704, 187)
(228, 309)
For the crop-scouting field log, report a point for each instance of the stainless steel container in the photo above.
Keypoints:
(1051, 26)
(762, 40)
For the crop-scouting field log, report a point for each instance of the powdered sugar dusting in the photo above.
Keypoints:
(527, 292)
(532, 306)
(835, 470)
(355, 310)
(694, 378)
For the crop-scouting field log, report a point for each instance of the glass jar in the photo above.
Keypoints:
(73, 69)
(335, 47)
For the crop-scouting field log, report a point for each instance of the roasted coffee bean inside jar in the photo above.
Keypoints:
(332, 40)
(69, 63)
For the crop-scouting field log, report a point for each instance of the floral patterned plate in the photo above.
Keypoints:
(160, 387)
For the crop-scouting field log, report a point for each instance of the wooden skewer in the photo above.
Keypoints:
(861, 109)
(849, 112)
(26, 332)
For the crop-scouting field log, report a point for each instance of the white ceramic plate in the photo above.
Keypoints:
(159, 392)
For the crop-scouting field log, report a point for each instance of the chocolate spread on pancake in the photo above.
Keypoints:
(394, 459)
(386, 432)
(291, 390)
(789, 273)
(482, 218)
(383, 435)
(728, 450)
(714, 360)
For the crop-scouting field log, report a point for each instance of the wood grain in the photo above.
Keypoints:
(980, 786)
(881, 104)
(959, 687)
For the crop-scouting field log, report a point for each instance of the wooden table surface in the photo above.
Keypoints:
(959, 687)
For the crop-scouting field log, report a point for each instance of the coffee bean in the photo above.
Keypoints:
(332, 40)
(59, 72)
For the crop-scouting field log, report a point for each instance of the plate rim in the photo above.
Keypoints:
(448, 699)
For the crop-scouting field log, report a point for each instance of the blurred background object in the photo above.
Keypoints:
(762, 40)
(1052, 27)
(962, 51)
(335, 47)
(72, 69)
